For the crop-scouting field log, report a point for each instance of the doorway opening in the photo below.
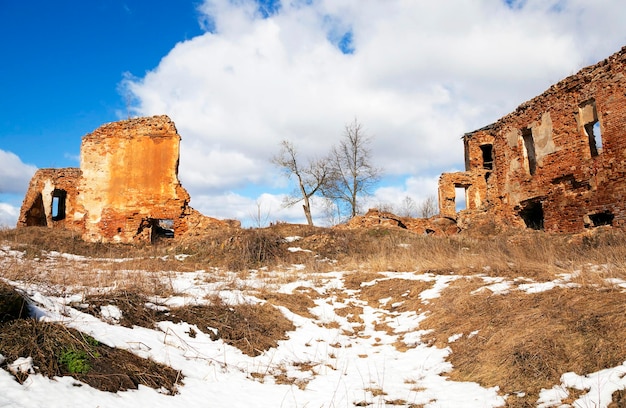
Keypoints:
(532, 214)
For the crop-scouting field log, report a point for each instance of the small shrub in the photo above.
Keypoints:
(91, 341)
(76, 361)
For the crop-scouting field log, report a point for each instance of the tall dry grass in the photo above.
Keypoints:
(524, 342)
(534, 255)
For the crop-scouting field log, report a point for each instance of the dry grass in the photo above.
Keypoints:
(57, 350)
(251, 328)
(298, 302)
(59, 276)
(109, 369)
(37, 239)
(526, 341)
(395, 291)
(531, 254)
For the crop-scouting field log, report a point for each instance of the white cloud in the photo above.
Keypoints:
(8, 215)
(418, 189)
(421, 75)
(251, 212)
(14, 174)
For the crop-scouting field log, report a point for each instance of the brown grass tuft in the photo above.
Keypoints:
(109, 369)
(526, 341)
(251, 328)
(395, 291)
(299, 302)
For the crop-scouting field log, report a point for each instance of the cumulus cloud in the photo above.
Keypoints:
(14, 174)
(8, 215)
(417, 75)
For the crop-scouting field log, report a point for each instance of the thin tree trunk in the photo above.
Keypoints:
(307, 205)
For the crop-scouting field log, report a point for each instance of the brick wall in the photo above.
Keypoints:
(544, 161)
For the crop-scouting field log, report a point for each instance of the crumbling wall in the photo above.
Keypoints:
(126, 189)
(474, 184)
(130, 179)
(559, 160)
(51, 200)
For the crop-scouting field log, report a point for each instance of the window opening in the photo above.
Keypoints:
(460, 198)
(597, 134)
(529, 150)
(594, 134)
(532, 214)
(55, 207)
(487, 150)
(603, 218)
(591, 125)
(58, 204)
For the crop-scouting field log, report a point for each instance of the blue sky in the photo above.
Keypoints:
(63, 61)
(237, 77)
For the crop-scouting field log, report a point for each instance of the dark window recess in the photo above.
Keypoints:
(529, 148)
(532, 214)
(162, 228)
(487, 150)
(157, 228)
(603, 218)
(58, 204)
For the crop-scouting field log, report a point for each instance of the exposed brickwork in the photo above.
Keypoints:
(38, 202)
(126, 189)
(547, 171)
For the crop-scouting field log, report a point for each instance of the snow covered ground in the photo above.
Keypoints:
(330, 363)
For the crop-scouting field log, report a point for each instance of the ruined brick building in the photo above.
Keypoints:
(126, 188)
(558, 162)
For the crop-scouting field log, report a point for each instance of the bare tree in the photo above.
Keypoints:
(407, 208)
(310, 177)
(260, 216)
(330, 211)
(353, 174)
(428, 207)
(386, 207)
